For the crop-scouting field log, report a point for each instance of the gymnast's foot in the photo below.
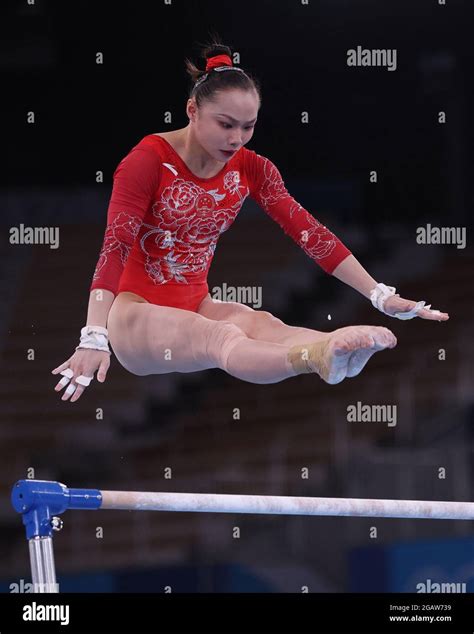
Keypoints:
(344, 353)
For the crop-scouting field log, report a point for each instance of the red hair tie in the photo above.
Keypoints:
(218, 60)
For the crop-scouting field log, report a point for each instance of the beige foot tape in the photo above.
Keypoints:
(312, 357)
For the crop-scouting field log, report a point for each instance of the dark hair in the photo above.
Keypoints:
(217, 81)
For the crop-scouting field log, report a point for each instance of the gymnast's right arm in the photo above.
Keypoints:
(135, 181)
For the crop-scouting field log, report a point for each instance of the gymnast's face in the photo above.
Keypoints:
(227, 123)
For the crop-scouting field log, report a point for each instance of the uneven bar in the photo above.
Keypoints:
(285, 505)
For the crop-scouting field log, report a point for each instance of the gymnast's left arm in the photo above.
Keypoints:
(383, 297)
(319, 243)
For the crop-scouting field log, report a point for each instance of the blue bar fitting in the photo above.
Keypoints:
(39, 500)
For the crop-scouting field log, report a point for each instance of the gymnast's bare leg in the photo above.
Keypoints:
(348, 360)
(150, 339)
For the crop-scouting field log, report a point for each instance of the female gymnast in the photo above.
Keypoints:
(173, 195)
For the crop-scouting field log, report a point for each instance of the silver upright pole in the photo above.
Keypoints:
(43, 572)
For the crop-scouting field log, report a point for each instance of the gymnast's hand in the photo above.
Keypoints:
(79, 371)
(396, 304)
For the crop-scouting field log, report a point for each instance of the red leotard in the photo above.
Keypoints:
(163, 222)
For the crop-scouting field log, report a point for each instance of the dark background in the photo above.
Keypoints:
(88, 117)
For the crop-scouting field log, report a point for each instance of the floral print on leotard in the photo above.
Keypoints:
(164, 223)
